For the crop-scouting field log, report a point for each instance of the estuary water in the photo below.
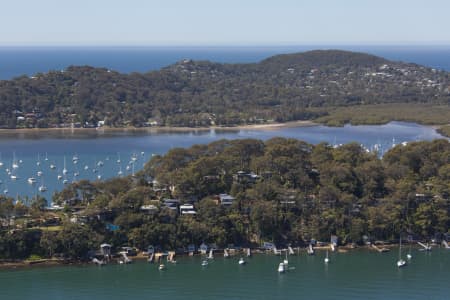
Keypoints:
(101, 155)
(358, 274)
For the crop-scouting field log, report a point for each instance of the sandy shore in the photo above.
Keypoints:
(267, 126)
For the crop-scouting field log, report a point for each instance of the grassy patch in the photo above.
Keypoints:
(445, 130)
(383, 113)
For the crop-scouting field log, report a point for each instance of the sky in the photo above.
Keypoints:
(224, 22)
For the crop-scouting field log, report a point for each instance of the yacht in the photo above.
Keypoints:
(39, 173)
(241, 261)
(281, 268)
(52, 166)
(64, 170)
(400, 262)
(42, 188)
(326, 259)
(31, 180)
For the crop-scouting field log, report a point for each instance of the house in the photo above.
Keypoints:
(171, 203)
(149, 208)
(226, 199)
(187, 209)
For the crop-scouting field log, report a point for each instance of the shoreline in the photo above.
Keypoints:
(101, 130)
(53, 262)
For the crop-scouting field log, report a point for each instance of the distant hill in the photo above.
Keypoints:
(201, 93)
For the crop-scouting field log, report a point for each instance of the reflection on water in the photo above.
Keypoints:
(107, 153)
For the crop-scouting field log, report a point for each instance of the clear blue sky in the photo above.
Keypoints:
(224, 22)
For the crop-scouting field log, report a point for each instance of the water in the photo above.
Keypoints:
(91, 147)
(16, 61)
(358, 274)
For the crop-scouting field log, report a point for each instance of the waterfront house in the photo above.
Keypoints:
(187, 209)
(226, 199)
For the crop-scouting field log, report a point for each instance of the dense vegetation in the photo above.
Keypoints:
(200, 93)
(288, 192)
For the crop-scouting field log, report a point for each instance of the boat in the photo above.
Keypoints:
(210, 256)
(310, 250)
(242, 261)
(204, 263)
(46, 156)
(59, 177)
(86, 167)
(326, 259)
(409, 255)
(39, 173)
(162, 267)
(38, 163)
(426, 247)
(31, 180)
(64, 169)
(400, 262)
(15, 165)
(249, 252)
(65, 181)
(14, 177)
(281, 268)
(52, 166)
(285, 261)
(42, 188)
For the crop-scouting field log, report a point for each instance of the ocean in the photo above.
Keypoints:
(17, 61)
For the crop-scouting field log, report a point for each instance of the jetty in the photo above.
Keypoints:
(424, 247)
(380, 249)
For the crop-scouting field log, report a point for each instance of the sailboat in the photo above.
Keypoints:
(46, 156)
(42, 188)
(241, 261)
(281, 268)
(64, 169)
(1, 162)
(326, 259)
(210, 256)
(285, 261)
(409, 255)
(15, 165)
(400, 262)
(38, 163)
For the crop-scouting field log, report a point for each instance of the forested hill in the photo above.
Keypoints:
(201, 93)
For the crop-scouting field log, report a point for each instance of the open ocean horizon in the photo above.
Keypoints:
(18, 61)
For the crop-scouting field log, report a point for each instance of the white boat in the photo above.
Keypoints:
(15, 165)
(99, 177)
(162, 267)
(64, 169)
(326, 259)
(42, 188)
(210, 256)
(31, 180)
(86, 167)
(1, 162)
(100, 164)
(65, 181)
(52, 166)
(285, 261)
(241, 261)
(281, 268)
(400, 262)
(39, 173)
(204, 263)
(14, 177)
(310, 250)
(46, 156)
(59, 177)
(249, 252)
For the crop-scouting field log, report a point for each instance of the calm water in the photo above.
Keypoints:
(95, 147)
(355, 275)
(16, 61)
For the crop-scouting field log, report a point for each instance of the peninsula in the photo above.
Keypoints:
(327, 86)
